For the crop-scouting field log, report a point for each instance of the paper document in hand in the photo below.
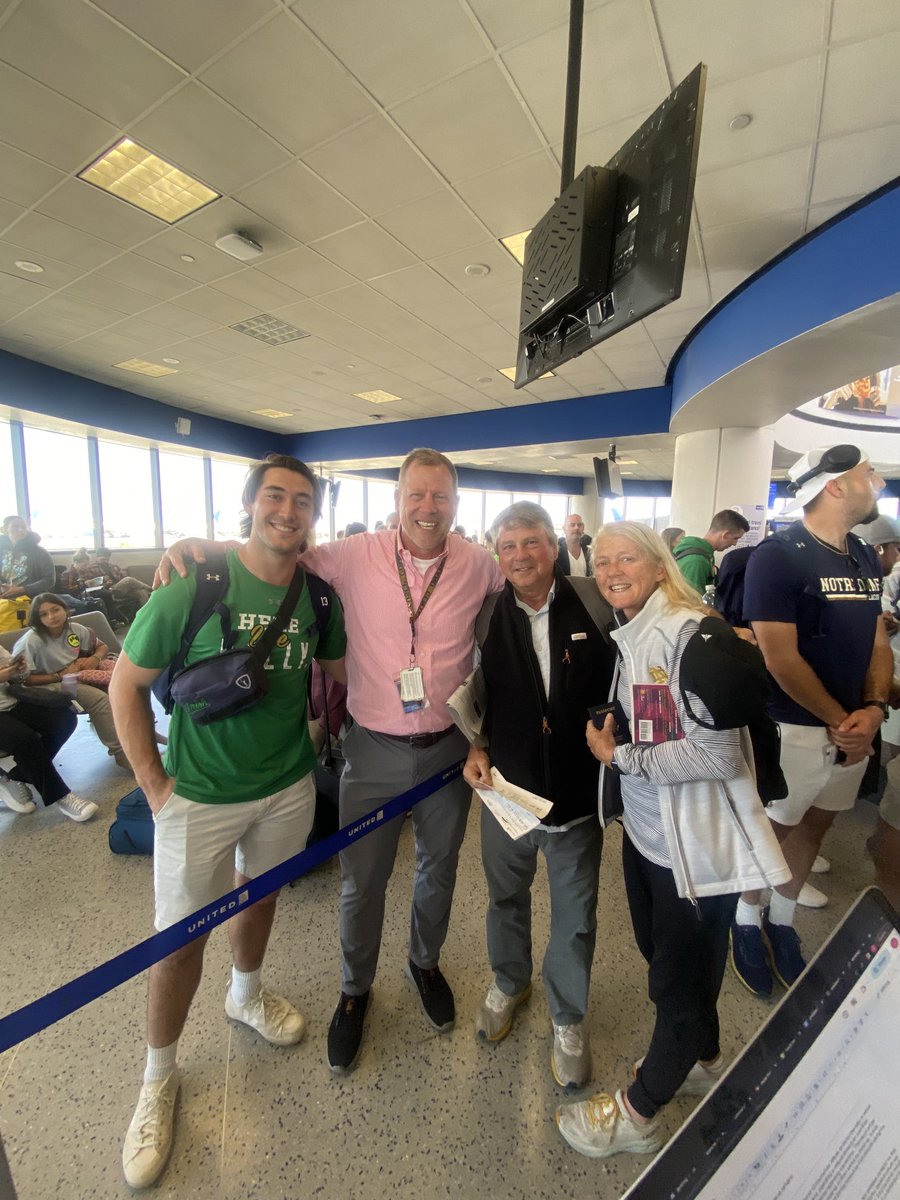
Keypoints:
(513, 819)
(536, 805)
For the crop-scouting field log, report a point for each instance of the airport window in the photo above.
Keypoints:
(227, 487)
(7, 475)
(183, 491)
(127, 496)
(59, 489)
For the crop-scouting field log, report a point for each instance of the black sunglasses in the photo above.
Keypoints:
(836, 460)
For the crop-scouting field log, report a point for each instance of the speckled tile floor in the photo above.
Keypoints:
(423, 1115)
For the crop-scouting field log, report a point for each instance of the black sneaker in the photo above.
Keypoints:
(345, 1032)
(435, 997)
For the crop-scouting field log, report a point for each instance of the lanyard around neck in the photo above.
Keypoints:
(414, 614)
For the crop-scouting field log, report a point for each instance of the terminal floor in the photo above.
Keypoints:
(423, 1115)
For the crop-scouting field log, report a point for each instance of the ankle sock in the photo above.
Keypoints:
(244, 985)
(160, 1062)
(748, 914)
(781, 910)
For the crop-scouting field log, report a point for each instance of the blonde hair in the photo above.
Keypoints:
(677, 590)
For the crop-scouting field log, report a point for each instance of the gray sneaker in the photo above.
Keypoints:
(495, 1017)
(570, 1058)
(602, 1126)
(76, 809)
(16, 795)
(148, 1141)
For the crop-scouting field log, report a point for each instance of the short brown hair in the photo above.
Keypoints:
(425, 457)
(254, 479)
(729, 521)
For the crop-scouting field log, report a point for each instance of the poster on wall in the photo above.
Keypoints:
(756, 515)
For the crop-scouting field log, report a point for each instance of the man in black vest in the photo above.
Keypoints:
(546, 658)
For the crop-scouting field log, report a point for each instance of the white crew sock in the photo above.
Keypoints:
(748, 914)
(160, 1062)
(781, 910)
(244, 985)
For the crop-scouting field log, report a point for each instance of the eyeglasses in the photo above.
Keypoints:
(835, 461)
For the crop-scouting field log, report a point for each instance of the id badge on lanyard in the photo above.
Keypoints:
(410, 681)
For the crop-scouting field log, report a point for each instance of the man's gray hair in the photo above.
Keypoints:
(527, 513)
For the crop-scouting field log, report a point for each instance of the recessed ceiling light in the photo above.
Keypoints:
(274, 413)
(150, 183)
(317, 372)
(626, 472)
(140, 367)
(187, 258)
(515, 244)
(478, 269)
(741, 121)
(510, 373)
(268, 329)
(351, 366)
(172, 362)
(549, 470)
(31, 267)
(377, 397)
(484, 379)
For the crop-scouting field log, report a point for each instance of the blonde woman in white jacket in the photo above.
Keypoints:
(694, 833)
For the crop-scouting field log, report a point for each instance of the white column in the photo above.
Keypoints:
(722, 468)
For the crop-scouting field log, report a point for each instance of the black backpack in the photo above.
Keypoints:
(729, 675)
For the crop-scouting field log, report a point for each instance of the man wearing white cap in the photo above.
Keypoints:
(813, 597)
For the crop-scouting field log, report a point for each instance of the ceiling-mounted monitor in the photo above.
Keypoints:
(608, 479)
(611, 249)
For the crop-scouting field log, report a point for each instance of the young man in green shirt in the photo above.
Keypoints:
(695, 555)
(232, 799)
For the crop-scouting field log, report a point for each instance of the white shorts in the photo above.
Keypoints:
(813, 777)
(198, 847)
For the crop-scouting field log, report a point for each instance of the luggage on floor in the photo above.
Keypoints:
(132, 830)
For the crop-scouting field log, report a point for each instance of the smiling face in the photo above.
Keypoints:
(53, 617)
(527, 557)
(282, 512)
(626, 576)
(426, 502)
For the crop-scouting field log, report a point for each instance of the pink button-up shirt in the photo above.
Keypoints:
(363, 571)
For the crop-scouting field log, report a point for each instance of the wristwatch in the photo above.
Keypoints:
(882, 704)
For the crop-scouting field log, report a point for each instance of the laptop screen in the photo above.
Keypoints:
(810, 1109)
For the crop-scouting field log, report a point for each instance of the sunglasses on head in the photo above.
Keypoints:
(835, 461)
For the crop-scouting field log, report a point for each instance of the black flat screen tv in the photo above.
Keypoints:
(611, 249)
(608, 479)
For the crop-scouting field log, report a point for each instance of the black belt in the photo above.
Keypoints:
(421, 741)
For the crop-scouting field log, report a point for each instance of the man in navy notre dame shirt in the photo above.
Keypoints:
(813, 597)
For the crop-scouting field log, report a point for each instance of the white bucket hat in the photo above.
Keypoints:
(813, 470)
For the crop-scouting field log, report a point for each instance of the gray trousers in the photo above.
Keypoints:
(378, 769)
(573, 872)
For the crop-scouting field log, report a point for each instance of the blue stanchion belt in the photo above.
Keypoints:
(34, 1017)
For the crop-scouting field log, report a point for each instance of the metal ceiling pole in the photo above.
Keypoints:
(573, 89)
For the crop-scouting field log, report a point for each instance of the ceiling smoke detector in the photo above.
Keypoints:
(239, 245)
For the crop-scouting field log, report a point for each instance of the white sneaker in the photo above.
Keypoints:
(570, 1058)
(821, 866)
(76, 809)
(495, 1017)
(149, 1137)
(700, 1079)
(811, 897)
(601, 1126)
(273, 1017)
(16, 795)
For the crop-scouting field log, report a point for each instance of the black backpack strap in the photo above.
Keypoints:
(212, 584)
(322, 597)
(597, 608)
(276, 626)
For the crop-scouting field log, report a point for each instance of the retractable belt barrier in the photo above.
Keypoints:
(25, 1022)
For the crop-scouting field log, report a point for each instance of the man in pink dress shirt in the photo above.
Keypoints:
(384, 579)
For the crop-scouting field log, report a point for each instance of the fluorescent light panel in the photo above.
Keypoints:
(377, 397)
(140, 367)
(150, 183)
(268, 329)
(274, 413)
(515, 244)
(510, 373)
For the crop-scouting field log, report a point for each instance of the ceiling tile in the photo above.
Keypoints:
(752, 189)
(300, 203)
(514, 196)
(857, 162)
(851, 20)
(9, 213)
(435, 225)
(180, 321)
(51, 128)
(72, 246)
(258, 290)
(616, 46)
(278, 75)
(198, 132)
(515, 20)
(313, 317)
(56, 274)
(504, 270)
(448, 124)
(23, 290)
(137, 272)
(69, 46)
(848, 104)
(216, 307)
(189, 34)
(748, 245)
(365, 251)
(227, 216)
(820, 213)
(97, 212)
(24, 179)
(373, 166)
(420, 47)
(783, 103)
(306, 272)
(207, 263)
(752, 38)
(96, 289)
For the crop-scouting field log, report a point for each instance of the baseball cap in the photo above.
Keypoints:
(879, 532)
(813, 470)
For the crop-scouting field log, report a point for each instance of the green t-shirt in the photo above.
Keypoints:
(696, 560)
(266, 748)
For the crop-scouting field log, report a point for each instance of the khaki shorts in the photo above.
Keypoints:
(814, 779)
(198, 847)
